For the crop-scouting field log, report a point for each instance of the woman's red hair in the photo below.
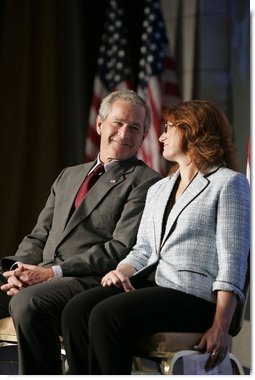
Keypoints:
(206, 134)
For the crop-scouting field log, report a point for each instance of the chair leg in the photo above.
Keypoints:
(137, 363)
(146, 366)
(173, 359)
(64, 361)
(237, 362)
(166, 368)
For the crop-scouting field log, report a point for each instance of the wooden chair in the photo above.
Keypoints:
(8, 348)
(7, 331)
(8, 336)
(165, 348)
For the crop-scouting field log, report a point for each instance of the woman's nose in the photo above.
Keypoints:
(162, 137)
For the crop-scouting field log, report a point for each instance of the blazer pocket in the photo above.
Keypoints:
(194, 278)
(193, 271)
(191, 268)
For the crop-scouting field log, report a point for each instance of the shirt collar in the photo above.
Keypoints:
(108, 165)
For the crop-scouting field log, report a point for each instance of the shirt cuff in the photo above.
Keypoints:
(57, 271)
(15, 265)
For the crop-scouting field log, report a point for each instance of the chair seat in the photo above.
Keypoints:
(167, 347)
(7, 330)
(162, 343)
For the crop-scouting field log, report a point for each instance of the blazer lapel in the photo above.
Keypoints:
(198, 185)
(160, 209)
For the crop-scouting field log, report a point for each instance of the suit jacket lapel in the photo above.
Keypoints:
(199, 183)
(73, 190)
(99, 190)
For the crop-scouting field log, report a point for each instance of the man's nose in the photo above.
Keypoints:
(124, 132)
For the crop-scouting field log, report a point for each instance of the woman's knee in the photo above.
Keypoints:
(80, 308)
(74, 311)
(109, 313)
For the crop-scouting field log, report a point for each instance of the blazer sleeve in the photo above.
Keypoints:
(233, 235)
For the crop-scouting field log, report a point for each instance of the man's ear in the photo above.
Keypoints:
(144, 135)
(98, 125)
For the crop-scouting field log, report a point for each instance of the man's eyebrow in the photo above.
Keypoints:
(132, 123)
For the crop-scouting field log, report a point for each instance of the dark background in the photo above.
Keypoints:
(48, 60)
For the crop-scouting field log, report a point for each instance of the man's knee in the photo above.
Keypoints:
(22, 303)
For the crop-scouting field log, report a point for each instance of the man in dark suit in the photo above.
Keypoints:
(73, 245)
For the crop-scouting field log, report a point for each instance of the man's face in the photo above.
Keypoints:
(122, 132)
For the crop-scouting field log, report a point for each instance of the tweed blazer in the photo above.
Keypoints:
(207, 236)
(100, 232)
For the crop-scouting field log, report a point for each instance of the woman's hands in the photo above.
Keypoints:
(119, 278)
(216, 340)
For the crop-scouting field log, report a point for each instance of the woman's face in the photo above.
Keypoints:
(172, 143)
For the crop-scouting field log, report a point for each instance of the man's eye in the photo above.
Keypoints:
(116, 124)
(134, 128)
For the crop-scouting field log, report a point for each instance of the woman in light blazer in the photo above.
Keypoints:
(188, 267)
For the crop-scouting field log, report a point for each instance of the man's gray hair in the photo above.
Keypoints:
(127, 96)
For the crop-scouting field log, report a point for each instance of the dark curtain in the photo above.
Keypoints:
(48, 55)
(30, 104)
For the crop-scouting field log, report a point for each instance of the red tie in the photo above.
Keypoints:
(88, 183)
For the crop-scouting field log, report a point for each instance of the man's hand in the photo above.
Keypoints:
(32, 274)
(25, 275)
(14, 284)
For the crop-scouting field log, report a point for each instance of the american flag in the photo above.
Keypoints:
(114, 70)
(157, 80)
